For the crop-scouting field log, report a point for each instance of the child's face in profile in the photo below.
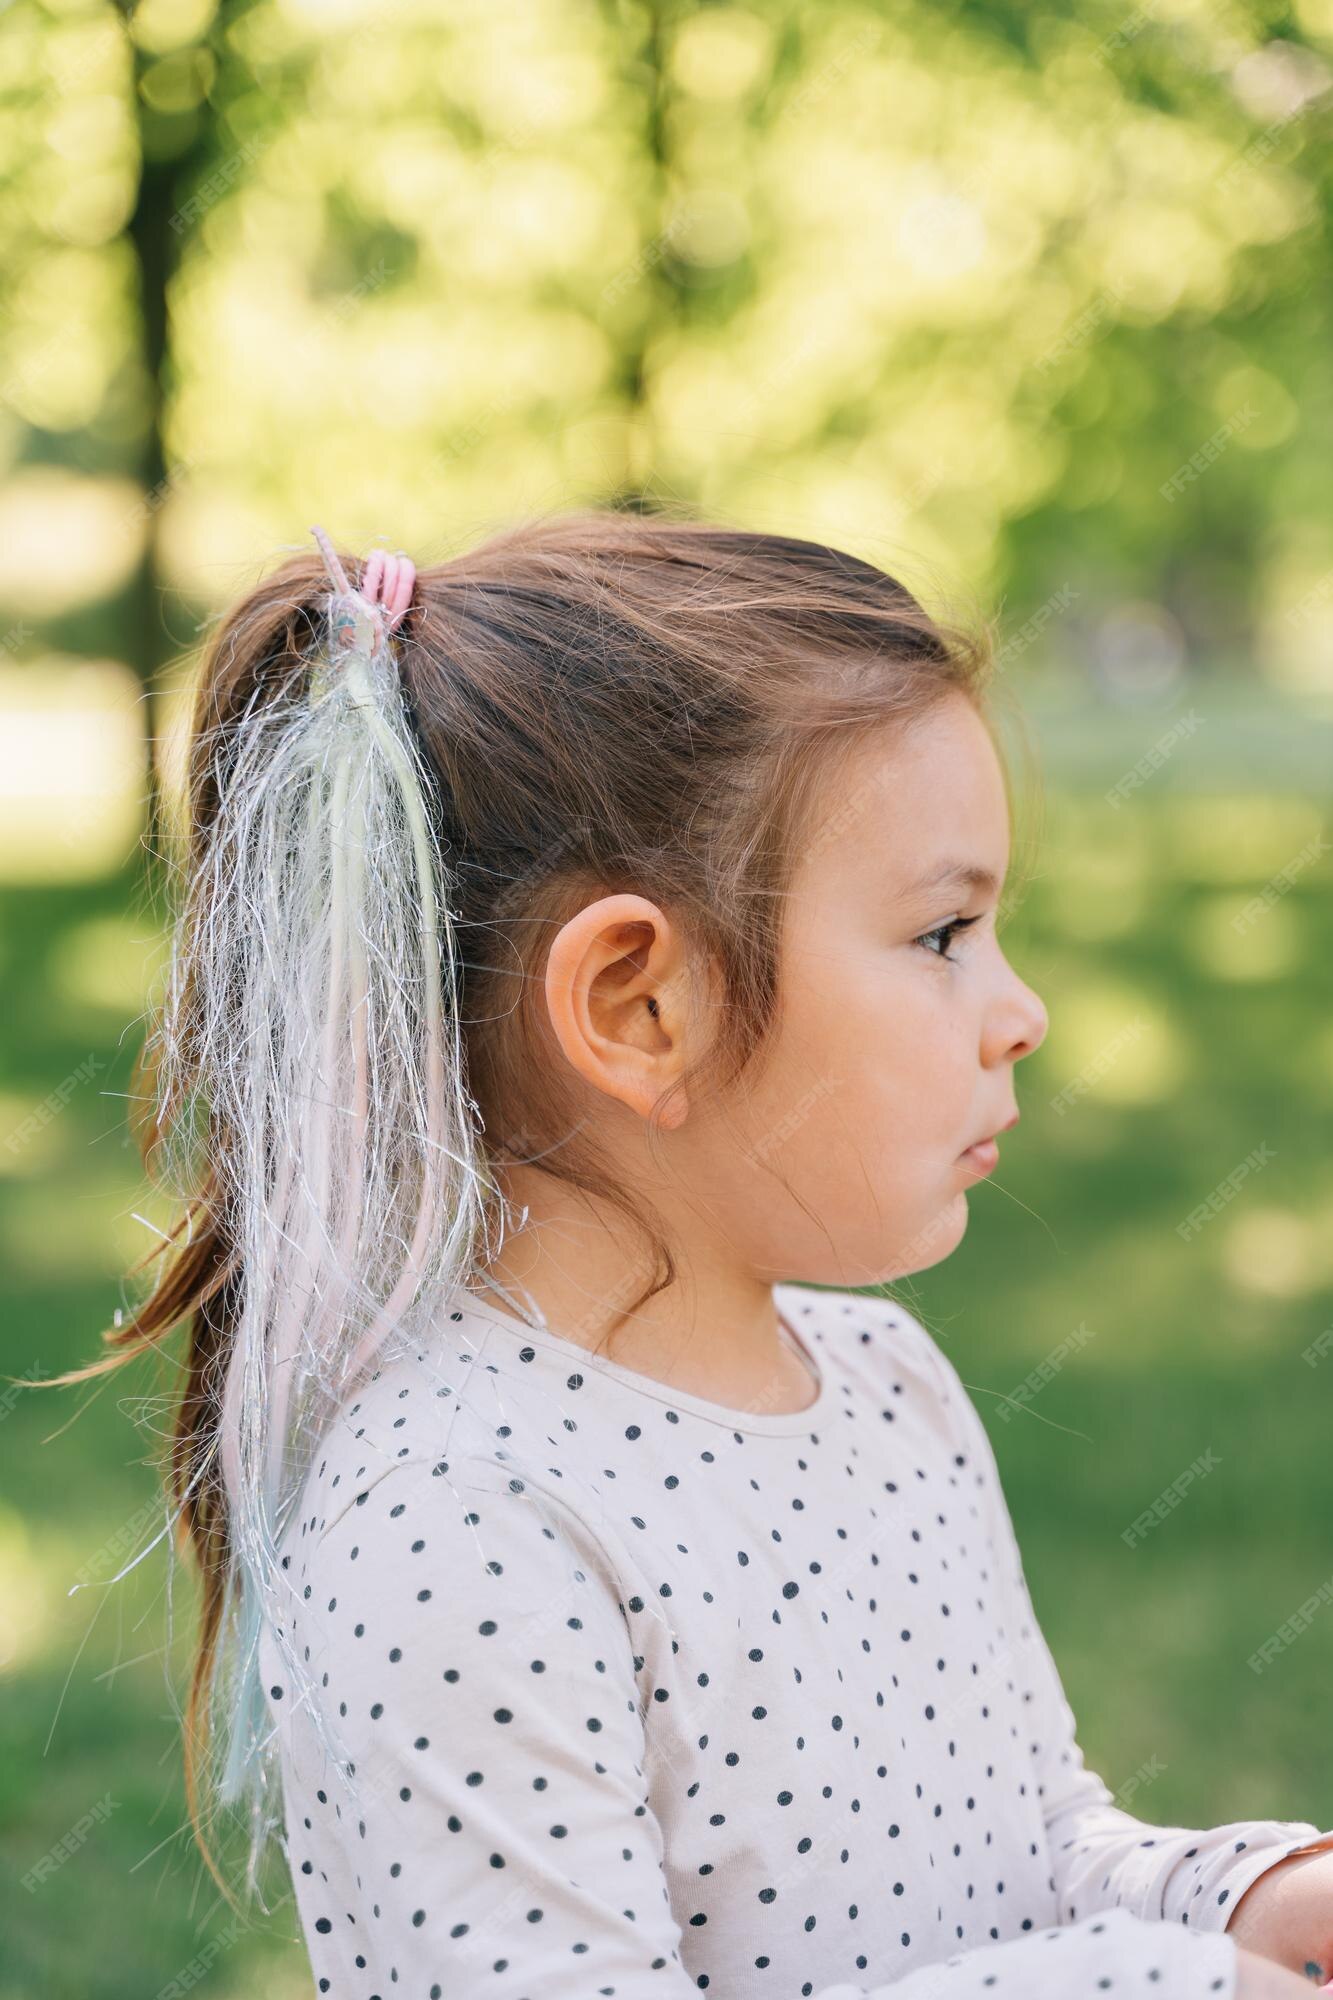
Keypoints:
(889, 1058)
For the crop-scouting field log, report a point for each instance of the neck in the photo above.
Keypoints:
(713, 1332)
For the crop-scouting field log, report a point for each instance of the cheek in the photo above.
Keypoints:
(860, 1183)
(845, 1172)
(896, 1038)
(873, 1070)
(874, 1067)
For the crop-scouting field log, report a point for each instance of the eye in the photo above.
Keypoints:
(947, 932)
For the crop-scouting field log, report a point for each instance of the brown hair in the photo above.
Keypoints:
(608, 701)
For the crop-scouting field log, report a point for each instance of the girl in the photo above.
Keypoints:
(588, 982)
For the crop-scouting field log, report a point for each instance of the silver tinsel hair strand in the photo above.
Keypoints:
(323, 975)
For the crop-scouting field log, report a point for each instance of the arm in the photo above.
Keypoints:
(503, 1845)
(1102, 1856)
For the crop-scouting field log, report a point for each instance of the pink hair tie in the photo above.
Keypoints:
(387, 581)
(390, 581)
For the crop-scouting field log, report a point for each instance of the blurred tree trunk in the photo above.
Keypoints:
(174, 152)
(663, 290)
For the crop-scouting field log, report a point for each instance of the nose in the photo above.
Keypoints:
(1018, 1021)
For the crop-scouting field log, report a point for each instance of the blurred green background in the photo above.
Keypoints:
(1033, 306)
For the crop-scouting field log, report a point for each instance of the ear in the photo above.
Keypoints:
(617, 994)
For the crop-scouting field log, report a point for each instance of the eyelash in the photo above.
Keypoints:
(954, 925)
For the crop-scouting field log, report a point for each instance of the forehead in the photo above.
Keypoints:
(913, 808)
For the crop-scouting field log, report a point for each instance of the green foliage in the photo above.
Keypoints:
(964, 286)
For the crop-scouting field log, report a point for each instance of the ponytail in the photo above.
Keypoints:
(313, 1002)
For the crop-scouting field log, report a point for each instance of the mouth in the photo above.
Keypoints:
(982, 1158)
(984, 1155)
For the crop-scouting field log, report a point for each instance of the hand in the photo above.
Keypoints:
(1286, 1915)
(1259, 1979)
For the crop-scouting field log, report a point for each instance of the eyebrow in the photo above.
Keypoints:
(966, 874)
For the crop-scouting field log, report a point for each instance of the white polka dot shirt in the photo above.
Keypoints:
(648, 1697)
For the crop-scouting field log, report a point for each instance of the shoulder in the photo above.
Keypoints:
(504, 1542)
(450, 1403)
(440, 1591)
(452, 1442)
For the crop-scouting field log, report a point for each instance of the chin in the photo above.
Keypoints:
(868, 1260)
(934, 1241)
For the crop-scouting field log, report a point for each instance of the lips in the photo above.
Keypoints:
(988, 1138)
(982, 1158)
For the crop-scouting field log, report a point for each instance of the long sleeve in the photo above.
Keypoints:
(1102, 1856)
(473, 1650)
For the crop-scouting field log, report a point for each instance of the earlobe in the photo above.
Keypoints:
(675, 1113)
